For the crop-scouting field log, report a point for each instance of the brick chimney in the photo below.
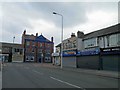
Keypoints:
(73, 35)
(80, 34)
(51, 39)
(24, 32)
(36, 34)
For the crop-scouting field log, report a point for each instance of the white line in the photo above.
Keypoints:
(66, 82)
(37, 72)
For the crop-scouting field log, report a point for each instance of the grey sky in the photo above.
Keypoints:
(37, 17)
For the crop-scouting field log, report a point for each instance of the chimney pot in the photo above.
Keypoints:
(24, 32)
(36, 34)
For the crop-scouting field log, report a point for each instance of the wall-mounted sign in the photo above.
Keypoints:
(55, 54)
(89, 52)
(112, 50)
(69, 53)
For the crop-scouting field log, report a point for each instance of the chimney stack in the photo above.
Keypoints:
(80, 34)
(73, 35)
(24, 32)
(51, 39)
(36, 34)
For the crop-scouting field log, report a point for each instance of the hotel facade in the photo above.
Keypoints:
(37, 48)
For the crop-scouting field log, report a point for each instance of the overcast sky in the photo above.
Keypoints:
(37, 17)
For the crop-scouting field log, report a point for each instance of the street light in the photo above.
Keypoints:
(61, 37)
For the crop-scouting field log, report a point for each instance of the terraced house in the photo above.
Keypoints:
(99, 49)
(37, 48)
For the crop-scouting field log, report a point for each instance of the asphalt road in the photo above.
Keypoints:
(34, 75)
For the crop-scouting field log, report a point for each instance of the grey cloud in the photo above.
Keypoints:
(106, 6)
(14, 20)
(17, 18)
(73, 12)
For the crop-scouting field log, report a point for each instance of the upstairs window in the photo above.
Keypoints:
(40, 44)
(27, 43)
(17, 50)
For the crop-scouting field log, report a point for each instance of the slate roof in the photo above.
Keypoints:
(102, 32)
(41, 38)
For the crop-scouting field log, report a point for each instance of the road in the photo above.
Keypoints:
(36, 75)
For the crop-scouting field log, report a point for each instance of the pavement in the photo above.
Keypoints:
(104, 73)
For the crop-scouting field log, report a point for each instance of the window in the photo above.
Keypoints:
(16, 50)
(33, 43)
(27, 50)
(74, 45)
(27, 43)
(48, 51)
(48, 45)
(21, 51)
(90, 42)
(113, 40)
(33, 50)
(40, 44)
(40, 50)
(118, 39)
(29, 58)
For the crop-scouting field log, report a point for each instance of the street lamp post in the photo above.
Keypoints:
(61, 38)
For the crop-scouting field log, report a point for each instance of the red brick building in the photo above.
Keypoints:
(37, 48)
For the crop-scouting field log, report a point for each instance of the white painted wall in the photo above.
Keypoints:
(101, 42)
(80, 44)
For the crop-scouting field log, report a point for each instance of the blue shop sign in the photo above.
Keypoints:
(89, 52)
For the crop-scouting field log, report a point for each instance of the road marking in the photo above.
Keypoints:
(67, 83)
(37, 72)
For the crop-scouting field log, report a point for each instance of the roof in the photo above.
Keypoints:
(102, 32)
(59, 45)
(5, 44)
(41, 38)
